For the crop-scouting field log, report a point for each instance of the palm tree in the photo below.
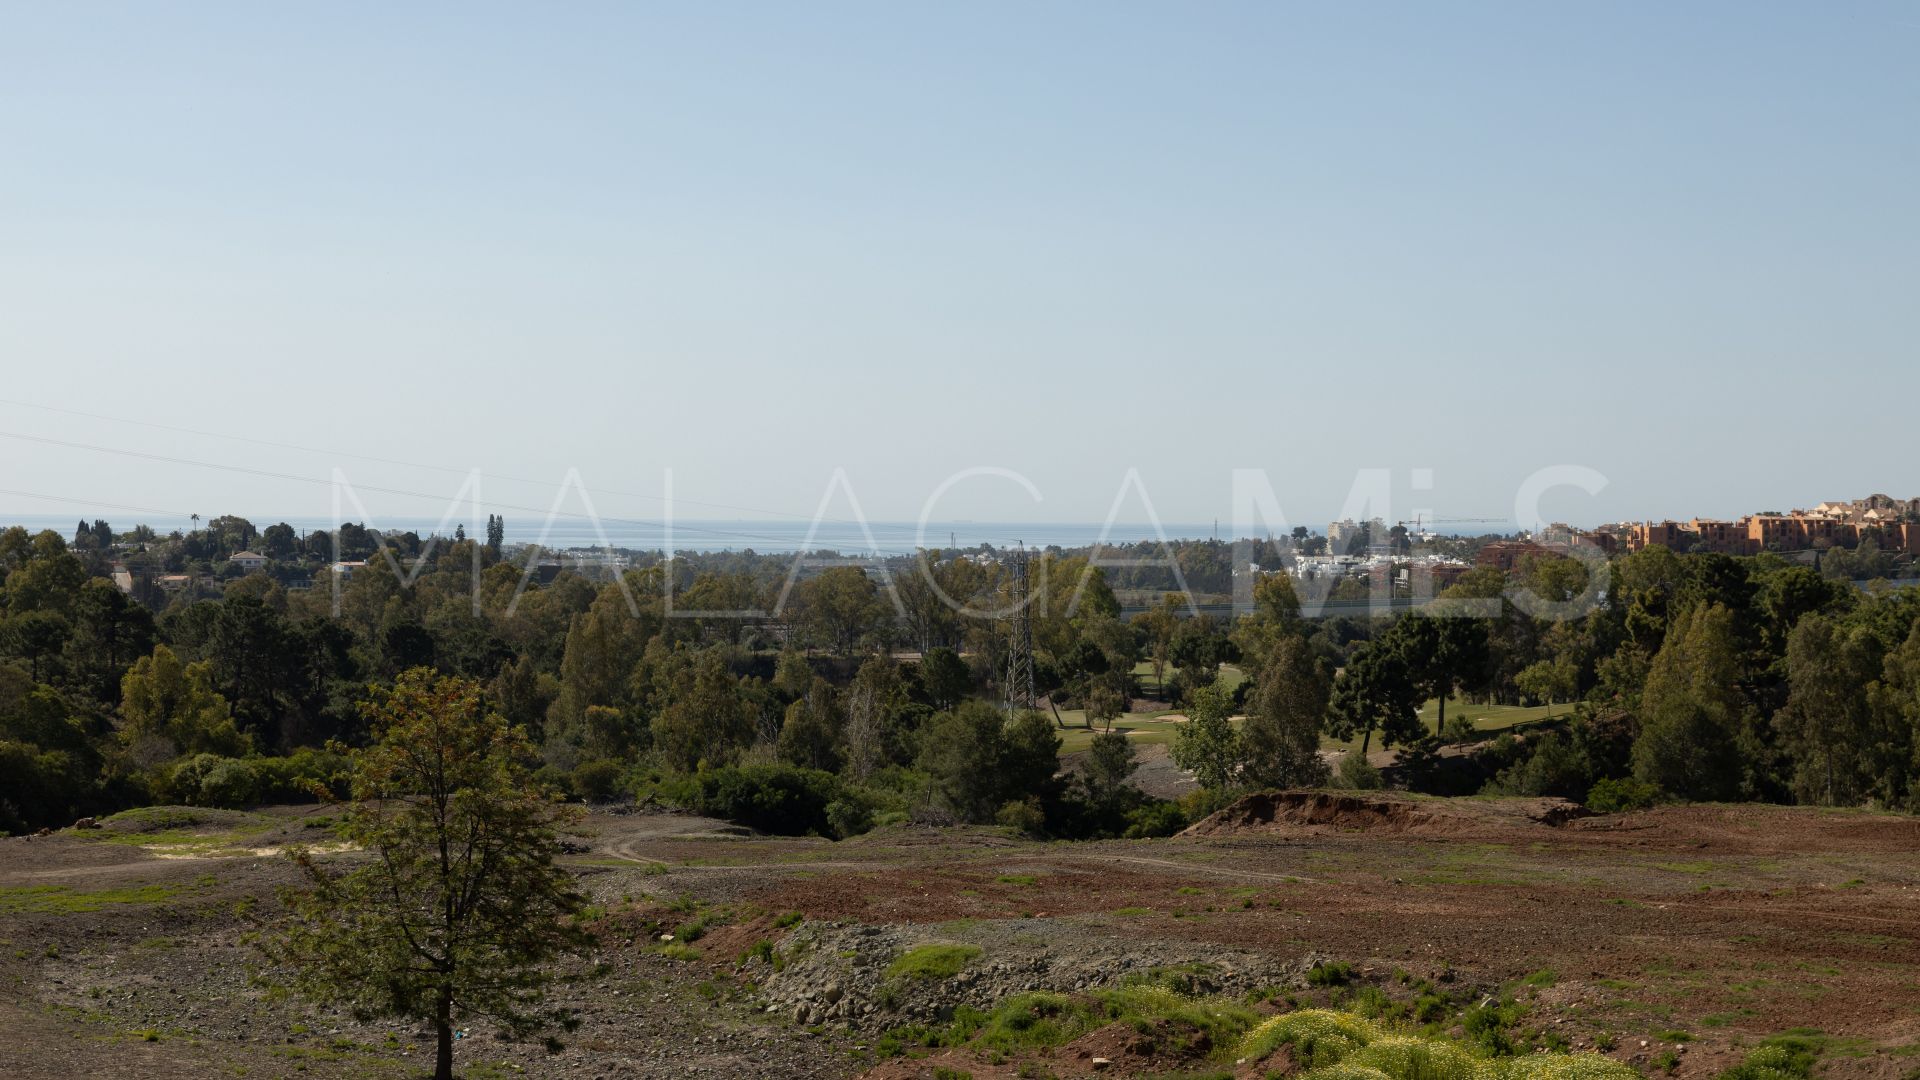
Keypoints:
(196, 522)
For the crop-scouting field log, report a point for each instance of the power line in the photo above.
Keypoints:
(419, 464)
(296, 478)
(92, 503)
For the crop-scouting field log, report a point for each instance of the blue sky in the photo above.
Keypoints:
(755, 243)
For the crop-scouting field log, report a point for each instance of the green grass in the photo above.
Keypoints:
(46, 899)
(932, 961)
(1016, 879)
(1141, 729)
(1488, 720)
(1787, 1056)
(184, 830)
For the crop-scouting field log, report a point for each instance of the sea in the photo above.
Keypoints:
(706, 535)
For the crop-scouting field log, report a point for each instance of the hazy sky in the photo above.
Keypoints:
(1676, 244)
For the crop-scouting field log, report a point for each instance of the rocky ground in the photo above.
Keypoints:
(1703, 928)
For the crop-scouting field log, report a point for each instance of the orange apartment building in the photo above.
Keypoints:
(1829, 525)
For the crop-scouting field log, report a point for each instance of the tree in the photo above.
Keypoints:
(1896, 708)
(34, 636)
(231, 533)
(1690, 710)
(1548, 680)
(522, 692)
(1029, 756)
(976, 758)
(960, 754)
(1376, 691)
(602, 645)
(1828, 725)
(1159, 624)
(1207, 746)
(876, 701)
(944, 677)
(810, 734)
(1276, 614)
(48, 580)
(496, 534)
(462, 905)
(703, 717)
(839, 608)
(1197, 650)
(279, 541)
(1104, 705)
(1110, 761)
(1281, 734)
(1441, 652)
(170, 708)
(255, 655)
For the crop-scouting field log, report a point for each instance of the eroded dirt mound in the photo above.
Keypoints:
(1336, 811)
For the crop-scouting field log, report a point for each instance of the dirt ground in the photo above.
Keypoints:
(1706, 928)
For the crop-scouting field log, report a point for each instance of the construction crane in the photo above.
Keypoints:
(1420, 521)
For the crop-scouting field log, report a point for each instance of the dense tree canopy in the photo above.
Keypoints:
(877, 693)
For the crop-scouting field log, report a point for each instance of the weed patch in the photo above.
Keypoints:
(61, 899)
(932, 962)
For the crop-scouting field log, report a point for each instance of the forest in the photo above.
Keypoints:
(858, 697)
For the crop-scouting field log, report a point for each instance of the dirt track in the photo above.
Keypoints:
(1728, 923)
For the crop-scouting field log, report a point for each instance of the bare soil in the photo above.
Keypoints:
(121, 953)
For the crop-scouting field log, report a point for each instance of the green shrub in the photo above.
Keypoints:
(1415, 1059)
(597, 780)
(1783, 1057)
(1157, 818)
(849, 816)
(1023, 815)
(932, 961)
(1344, 1071)
(305, 775)
(212, 780)
(1564, 1067)
(1617, 796)
(1486, 1025)
(785, 800)
(1317, 1036)
(1331, 973)
(1373, 1003)
(1459, 729)
(1357, 773)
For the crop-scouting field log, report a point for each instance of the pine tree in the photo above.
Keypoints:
(1282, 731)
(1691, 710)
(462, 906)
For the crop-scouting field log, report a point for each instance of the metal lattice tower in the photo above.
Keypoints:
(1020, 693)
